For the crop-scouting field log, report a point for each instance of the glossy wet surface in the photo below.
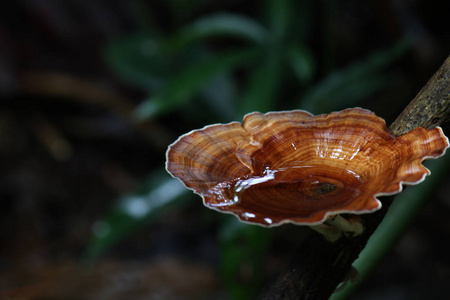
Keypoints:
(288, 193)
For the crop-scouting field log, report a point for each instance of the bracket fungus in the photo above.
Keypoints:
(294, 167)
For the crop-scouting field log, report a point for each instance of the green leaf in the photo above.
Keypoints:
(302, 62)
(138, 60)
(347, 87)
(261, 92)
(144, 60)
(220, 95)
(302, 25)
(191, 81)
(223, 24)
(280, 17)
(157, 194)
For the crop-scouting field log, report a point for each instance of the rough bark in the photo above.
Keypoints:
(431, 106)
(319, 266)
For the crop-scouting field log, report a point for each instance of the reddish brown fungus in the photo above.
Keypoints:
(291, 166)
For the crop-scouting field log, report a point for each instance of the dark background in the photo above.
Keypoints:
(70, 144)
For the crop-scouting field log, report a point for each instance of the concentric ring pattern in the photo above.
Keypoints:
(291, 166)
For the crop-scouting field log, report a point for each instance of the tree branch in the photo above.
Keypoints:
(431, 106)
(319, 266)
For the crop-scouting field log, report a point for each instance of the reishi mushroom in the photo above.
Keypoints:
(294, 167)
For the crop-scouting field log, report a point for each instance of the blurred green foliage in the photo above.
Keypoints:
(242, 249)
(158, 193)
(232, 64)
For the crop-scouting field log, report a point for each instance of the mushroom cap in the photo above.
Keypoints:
(291, 166)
